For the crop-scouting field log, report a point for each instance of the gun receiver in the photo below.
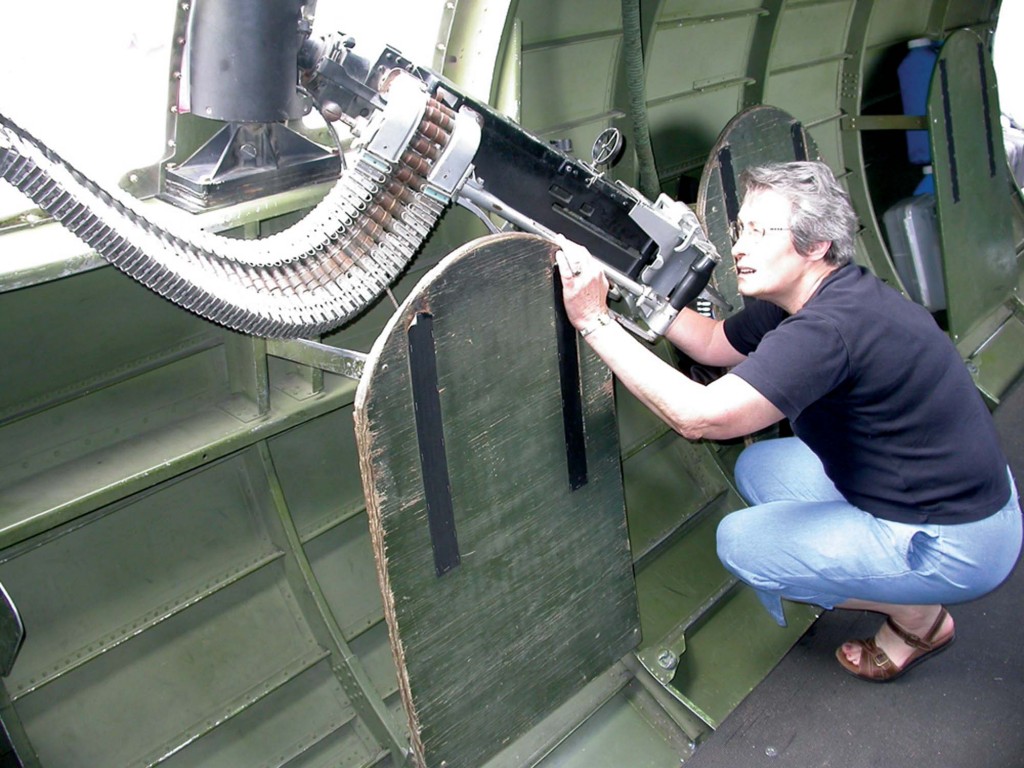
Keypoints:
(656, 255)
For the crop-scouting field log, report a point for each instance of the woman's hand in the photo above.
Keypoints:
(584, 285)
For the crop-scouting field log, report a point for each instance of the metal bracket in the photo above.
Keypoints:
(344, 362)
(454, 166)
(883, 122)
(662, 658)
(390, 130)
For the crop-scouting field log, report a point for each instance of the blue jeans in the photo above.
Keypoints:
(801, 540)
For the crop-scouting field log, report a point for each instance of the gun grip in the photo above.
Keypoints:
(693, 282)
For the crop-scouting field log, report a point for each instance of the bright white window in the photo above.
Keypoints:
(90, 79)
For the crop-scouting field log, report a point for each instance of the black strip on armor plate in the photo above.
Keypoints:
(430, 435)
(732, 202)
(572, 397)
(986, 109)
(947, 111)
(799, 144)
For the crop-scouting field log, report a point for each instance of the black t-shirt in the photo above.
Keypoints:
(876, 389)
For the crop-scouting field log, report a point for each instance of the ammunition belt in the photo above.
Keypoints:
(301, 282)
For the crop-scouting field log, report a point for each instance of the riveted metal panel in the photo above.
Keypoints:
(670, 468)
(808, 93)
(290, 726)
(309, 459)
(689, 9)
(586, 69)
(72, 315)
(828, 136)
(180, 677)
(696, 57)
(965, 13)
(547, 22)
(342, 559)
(374, 651)
(143, 557)
(795, 47)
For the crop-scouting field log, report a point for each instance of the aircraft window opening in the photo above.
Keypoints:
(1008, 60)
(109, 115)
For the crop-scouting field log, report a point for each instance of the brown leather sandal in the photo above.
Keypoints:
(875, 664)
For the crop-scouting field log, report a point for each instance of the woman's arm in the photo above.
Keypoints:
(703, 339)
(728, 407)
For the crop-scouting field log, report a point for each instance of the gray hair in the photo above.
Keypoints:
(821, 209)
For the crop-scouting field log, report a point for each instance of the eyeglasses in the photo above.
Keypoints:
(756, 234)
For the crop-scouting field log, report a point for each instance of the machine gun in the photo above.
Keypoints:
(420, 144)
(656, 255)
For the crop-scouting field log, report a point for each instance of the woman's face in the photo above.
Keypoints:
(767, 265)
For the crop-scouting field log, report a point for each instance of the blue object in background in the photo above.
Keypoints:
(927, 184)
(915, 73)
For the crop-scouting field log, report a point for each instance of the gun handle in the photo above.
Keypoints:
(693, 282)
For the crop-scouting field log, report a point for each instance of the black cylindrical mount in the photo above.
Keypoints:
(243, 59)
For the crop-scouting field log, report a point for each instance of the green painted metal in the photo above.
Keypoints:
(350, 671)
(762, 43)
(629, 729)
(703, 621)
(541, 598)
(696, 81)
(972, 184)
(194, 589)
(182, 523)
(857, 69)
(977, 208)
(126, 424)
(997, 365)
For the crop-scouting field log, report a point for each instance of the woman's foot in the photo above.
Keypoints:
(898, 647)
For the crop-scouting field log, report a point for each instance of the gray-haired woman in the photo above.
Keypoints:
(894, 496)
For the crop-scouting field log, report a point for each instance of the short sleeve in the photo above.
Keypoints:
(745, 329)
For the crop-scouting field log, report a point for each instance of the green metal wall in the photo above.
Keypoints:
(181, 516)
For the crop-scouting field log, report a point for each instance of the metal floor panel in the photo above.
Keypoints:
(619, 734)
